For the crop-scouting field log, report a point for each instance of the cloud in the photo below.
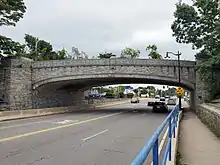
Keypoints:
(101, 25)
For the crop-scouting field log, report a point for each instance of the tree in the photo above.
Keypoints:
(42, 50)
(106, 55)
(198, 24)
(8, 47)
(151, 89)
(130, 53)
(77, 54)
(121, 88)
(135, 90)
(39, 49)
(170, 92)
(153, 54)
(10, 13)
(62, 54)
(130, 95)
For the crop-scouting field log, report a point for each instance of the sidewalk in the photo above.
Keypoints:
(198, 145)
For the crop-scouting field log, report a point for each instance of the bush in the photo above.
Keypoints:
(110, 95)
(130, 95)
(121, 95)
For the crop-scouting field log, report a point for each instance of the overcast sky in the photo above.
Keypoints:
(101, 25)
(96, 26)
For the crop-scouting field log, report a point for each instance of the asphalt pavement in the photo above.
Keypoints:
(107, 136)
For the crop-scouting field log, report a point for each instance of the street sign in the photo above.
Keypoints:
(179, 91)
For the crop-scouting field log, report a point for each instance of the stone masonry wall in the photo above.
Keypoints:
(52, 71)
(210, 116)
(3, 72)
(5, 79)
(20, 84)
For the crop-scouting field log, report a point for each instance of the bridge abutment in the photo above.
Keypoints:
(16, 82)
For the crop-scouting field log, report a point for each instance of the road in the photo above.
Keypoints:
(108, 136)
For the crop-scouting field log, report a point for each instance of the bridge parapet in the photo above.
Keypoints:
(117, 61)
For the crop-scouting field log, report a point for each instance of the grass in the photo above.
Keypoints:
(179, 159)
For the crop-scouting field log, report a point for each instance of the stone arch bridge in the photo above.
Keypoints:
(25, 81)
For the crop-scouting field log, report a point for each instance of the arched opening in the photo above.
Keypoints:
(70, 91)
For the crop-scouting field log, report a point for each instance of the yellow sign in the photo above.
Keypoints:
(179, 91)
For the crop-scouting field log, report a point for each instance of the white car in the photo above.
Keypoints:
(171, 101)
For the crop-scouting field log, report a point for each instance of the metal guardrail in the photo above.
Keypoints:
(171, 120)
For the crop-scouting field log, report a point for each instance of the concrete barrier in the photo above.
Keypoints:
(12, 115)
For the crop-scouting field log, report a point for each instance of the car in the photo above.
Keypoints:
(150, 103)
(162, 99)
(135, 100)
(171, 101)
(157, 97)
(167, 97)
(160, 106)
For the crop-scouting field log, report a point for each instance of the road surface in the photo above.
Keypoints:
(108, 136)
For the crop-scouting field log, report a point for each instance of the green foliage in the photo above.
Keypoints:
(11, 11)
(9, 47)
(110, 95)
(121, 94)
(144, 91)
(135, 91)
(106, 55)
(198, 24)
(130, 53)
(153, 54)
(42, 50)
(130, 95)
(121, 88)
(170, 92)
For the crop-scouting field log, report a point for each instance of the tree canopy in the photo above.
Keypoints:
(130, 53)
(153, 54)
(106, 55)
(8, 47)
(198, 24)
(42, 50)
(11, 11)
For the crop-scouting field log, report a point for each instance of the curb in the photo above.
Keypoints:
(174, 142)
(18, 117)
(33, 116)
(110, 104)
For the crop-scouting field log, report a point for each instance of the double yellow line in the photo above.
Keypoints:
(55, 128)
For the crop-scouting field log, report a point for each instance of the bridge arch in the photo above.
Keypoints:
(66, 80)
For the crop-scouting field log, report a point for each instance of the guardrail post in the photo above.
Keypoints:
(155, 153)
(170, 136)
(174, 124)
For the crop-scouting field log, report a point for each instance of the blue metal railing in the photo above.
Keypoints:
(171, 120)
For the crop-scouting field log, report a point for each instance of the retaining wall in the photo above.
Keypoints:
(209, 114)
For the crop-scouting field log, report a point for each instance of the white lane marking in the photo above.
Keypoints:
(20, 125)
(162, 143)
(65, 121)
(90, 137)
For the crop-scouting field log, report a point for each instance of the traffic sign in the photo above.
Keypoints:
(179, 91)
